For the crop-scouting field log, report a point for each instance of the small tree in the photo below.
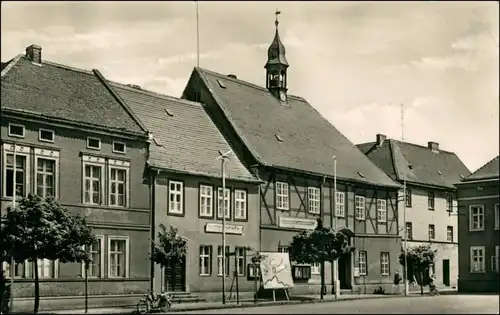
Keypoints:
(317, 246)
(41, 229)
(419, 259)
(170, 249)
(256, 259)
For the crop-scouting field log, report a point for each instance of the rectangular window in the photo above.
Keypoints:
(497, 217)
(175, 197)
(206, 201)
(118, 187)
(430, 200)
(19, 269)
(449, 233)
(283, 249)
(16, 130)
(93, 184)
(224, 203)
(240, 204)
(240, 260)
(432, 232)
(409, 231)
(21, 175)
(408, 197)
(340, 205)
(45, 135)
(45, 177)
(477, 259)
(362, 263)
(381, 211)
(313, 197)
(118, 147)
(282, 196)
(476, 218)
(301, 272)
(384, 264)
(118, 257)
(205, 260)
(315, 269)
(495, 260)
(46, 269)
(96, 266)
(449, 202)
(219, 261)
(93, 143)
(360, 207)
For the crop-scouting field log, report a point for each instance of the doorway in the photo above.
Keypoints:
(175, 277)
(344, 264)
(446, 272)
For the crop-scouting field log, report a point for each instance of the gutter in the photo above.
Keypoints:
(246, 180)
(482, 180)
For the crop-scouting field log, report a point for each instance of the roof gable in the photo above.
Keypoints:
(184, 137)
(441, 169)
(294, 136)
(63, 92)
(487, 171)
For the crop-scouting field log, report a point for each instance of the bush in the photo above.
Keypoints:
(4, 294)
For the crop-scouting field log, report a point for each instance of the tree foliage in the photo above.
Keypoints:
(319, 246)
(170, 248)
(41, 229)
(419, 259)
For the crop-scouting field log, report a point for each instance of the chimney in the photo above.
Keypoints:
(434, 146)
(232, 76)
(380, 139)
(34, 53)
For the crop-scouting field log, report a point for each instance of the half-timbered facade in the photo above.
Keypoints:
(72, 139)
(431, 203)
(478, 229)
(186, 192)
(290, 146)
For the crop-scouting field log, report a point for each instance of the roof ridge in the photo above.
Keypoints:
(247, 83)
(66, 67)
(11, 63)
(422, 146)
(153, 93)
(484, 165)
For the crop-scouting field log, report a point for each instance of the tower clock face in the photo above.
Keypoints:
(282, 96)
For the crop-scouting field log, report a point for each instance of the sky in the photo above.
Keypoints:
(355, 62)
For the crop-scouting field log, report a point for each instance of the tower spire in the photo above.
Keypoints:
(276, 66)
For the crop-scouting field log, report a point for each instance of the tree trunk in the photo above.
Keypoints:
(37, 287)
(322, 266)
(421, 276)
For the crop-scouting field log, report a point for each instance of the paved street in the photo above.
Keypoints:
(445, 304)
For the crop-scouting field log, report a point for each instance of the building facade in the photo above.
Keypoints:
(284, 140)
(184, 169)
(72, 139)
(430, 203)
(478, 225)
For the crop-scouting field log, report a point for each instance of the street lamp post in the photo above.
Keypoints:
(223, 158)
(12, 262)
(335, 271)
(405, 234)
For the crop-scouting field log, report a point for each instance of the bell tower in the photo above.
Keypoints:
(276, 66)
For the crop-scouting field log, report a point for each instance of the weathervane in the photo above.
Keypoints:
(277, 13)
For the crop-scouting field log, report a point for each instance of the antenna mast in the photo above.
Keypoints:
(402, 123)
(197, 35)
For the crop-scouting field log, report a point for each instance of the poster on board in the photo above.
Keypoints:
(276, 271)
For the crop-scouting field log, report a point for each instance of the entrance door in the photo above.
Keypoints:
(343, 264)
(446, 272)
(175, 277)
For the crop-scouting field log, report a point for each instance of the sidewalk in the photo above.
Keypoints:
(231, 304)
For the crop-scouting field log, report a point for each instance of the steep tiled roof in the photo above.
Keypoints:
(441, 169)
(293, 136)
(184, 137)
(62, 92)
(487, 171)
